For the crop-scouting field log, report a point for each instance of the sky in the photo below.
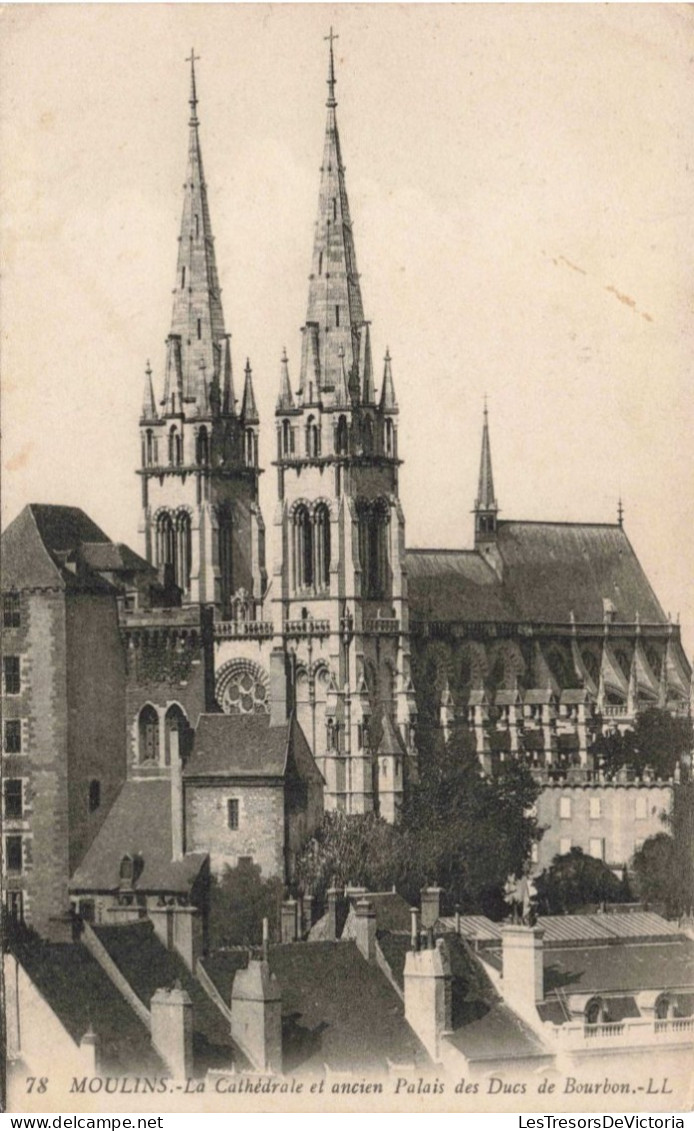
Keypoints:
(520, 183)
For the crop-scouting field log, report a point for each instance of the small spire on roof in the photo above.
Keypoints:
(331, 69)
(249, 410)
(388, 401)
(149, 411)
(620, 512)
(285, 400)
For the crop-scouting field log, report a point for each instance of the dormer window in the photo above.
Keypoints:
(126, 872)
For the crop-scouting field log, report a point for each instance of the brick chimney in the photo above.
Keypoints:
(172, 1030)
(256, 1016)
(523, 980)
(281, 687)
(428, 995)
(431, 906)
(365, 928)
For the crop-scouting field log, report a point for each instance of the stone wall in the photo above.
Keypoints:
(260, 832)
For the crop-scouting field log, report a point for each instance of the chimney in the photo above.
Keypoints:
(288, 921)
(521, 956)
(256, 1016)
(428, 995)
(431, 906)
(172, 1030)
(334, 896)
(365, 936)
(89, 1047)
(281, 687)
(414, 928)
(177, 835)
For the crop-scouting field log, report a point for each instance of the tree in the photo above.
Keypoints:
(659, 876)
(574, 881)
(239, 901)
(363, 850)
(659, 741)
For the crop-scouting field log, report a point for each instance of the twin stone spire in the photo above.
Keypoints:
(336, 363)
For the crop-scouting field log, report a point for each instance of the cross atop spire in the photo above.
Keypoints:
(193, 100)
(331, 70)
(620, 512)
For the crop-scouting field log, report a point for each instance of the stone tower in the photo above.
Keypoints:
(201, 521)
(339, 595)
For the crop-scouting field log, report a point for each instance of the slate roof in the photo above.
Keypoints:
(238, 746)
(337, 1009)
(80, 994)
(498, 1033)
(550, 569)
(114, 557)
(620, 969)
(38, 543)
(139, 825)
(392, 912)
(148, 966)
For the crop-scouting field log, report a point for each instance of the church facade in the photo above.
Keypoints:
(538, 638)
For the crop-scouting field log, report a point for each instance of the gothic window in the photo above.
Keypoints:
(368, 436)
(242, 688)
(251, 449)
(10, 610)
(388, 438)
(330, 734)
(176, 735)
(149, 447)
(148, 728)
(166, 540)
(322, 542)
(175, 447)
(94, 795)
(225, 557)
(342, 438)
(373, 550)
(202, 447)
(287, 439)
(183, 550)
(312, 438)
(303, 548)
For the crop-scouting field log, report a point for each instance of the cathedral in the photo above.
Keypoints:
(245, 701)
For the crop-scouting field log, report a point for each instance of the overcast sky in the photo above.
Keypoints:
(520, 181)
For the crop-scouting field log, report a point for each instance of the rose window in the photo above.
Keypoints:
(242, 689)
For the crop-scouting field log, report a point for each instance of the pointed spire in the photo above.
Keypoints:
(342, 383)
(149, 408)
(197, 310)
(249, 412)
(388, 401)
(228, 398)
(334, 301)
(366, 373)
(285, 401)
(486, 500)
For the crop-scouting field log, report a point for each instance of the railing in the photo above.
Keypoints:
(637, 1032)
(300, 628)
(243, 629)
(383, 626)
(675, 1025)
(616, 711)
(604, 1029)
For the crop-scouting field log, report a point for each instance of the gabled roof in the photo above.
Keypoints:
(114, 557)
(147, 966)
(548, 571)
(81, 995)
(337, 1009)
(238, 746)
(39, 543)
(138, 825)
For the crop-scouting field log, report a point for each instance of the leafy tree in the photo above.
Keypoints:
(363, 850)
(661, 877)
(574, 881)
(239, 901)
(659, 740)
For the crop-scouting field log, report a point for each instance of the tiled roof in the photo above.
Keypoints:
(338, 1010)
(624, 969)
(148, 966)
(550, 570)
(642, 925)
(80, 994)
(39, 542)
(114, 557)
(238, 746)
(138, 825)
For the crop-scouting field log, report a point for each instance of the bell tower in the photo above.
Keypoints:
(201, 521)
(339, 596)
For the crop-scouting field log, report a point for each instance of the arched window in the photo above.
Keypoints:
(225, 557)
(183, 550)
(176, 731)
(373, 549)
(388, 437)
(149, 447)
(664, 1008)
(202, 447)
(251, 448)
(175, 447)
(303, 548)
(368, 436)
(166, 540)
(342, 436)
(286, 437)
(148, 728)
(322, 541)
(242, 688)
(595, 1013)
(126, 871)
(312, 438)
